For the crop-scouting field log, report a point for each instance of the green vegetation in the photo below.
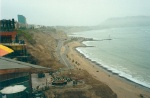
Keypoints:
(26, 36)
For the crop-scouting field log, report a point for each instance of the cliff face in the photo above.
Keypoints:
(43, 46)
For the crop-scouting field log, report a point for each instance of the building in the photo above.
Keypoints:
(22, 23)
(9, 38)
(7, 25)
(7, 31)
(21, 19)
(14, 72)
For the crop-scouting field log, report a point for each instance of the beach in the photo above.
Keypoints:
(122, 87)
(100, 79)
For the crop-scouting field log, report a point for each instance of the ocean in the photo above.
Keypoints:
(127, 54)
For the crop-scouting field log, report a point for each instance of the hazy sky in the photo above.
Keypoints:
(72, 12)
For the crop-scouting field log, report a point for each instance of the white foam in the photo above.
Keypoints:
(121, 73)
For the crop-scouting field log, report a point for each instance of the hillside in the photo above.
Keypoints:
(41, 45)
(126, 22)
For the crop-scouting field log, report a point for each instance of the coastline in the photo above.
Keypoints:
(110, 71)
(123, 87)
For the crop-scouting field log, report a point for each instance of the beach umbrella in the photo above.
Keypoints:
(5, 50)
(13, 89)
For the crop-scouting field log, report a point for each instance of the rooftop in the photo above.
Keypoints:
(6, 63)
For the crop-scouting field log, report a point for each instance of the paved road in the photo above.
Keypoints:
(62, 56)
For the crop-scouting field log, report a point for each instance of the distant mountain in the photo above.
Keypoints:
(126, 22)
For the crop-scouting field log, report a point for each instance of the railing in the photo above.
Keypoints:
(13, 81)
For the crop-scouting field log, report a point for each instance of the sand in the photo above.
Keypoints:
(122, 87)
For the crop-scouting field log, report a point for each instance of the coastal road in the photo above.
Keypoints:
(62, 56)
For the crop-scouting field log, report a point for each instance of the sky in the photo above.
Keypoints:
(72, 12)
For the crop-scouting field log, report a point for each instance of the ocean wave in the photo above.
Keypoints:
(139, 80)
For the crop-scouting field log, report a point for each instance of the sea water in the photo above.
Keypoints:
(127, 54)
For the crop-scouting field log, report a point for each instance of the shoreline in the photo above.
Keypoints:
(128, 86)
(110, 71)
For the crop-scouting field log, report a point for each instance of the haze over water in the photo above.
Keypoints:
(72, 12)
(127, 53)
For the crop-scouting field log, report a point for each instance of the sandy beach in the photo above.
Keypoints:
(122, 87)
